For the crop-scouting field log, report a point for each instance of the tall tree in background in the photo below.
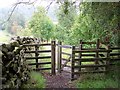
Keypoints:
(66, 14)
(41, 25)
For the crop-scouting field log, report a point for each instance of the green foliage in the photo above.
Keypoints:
(96, 20)
(36, 81)
(41, 25)
(66, 16)
(25, 32)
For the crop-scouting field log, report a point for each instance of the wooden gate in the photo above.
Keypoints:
(64, 56)
(41, 56)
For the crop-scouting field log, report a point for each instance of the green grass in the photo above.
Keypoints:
(4, 37)
(36, 81)
(98, 81)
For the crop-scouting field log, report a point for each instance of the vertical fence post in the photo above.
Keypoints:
(97, 52)
(108, 60)
(53, 45)
(36, 55)
(80, 54)
(59, 56)
(72, 63)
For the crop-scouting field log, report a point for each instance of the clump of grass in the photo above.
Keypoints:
(36, 81)
(97, 81)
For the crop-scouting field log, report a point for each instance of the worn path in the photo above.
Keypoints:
(58, 81)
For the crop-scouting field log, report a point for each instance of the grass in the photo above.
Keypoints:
(36, 81)
(110, 80)
(4, 37)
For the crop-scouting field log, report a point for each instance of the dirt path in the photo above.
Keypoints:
(58, 81)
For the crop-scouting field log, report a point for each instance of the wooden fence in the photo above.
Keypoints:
(97, 58)
(41, 60)
(88, 57)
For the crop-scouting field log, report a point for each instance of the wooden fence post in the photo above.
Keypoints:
(72, 63)
(53, 45)
(80, 54)
(97, 52)
(108, 60)
(59, 57)
(36, 55)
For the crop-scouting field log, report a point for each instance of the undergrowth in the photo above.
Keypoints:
(36, 81)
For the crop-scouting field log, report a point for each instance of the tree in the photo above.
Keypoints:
(97, 20)
(16, 22)
(66, 17)
(41, 25)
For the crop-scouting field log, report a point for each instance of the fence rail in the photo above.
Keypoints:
(38, 51)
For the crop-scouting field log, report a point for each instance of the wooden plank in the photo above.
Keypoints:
(48, 44)
(42, 51)
(36, 55)
(53, 54)
(89, 66)
(88, 55)
(86, 51)
(114, 59)
(40, 63)
(90, 59)
(114, 54)
(42, 69)
(65, 46)
(59, 57)
(65, 59)
(88, 42)
(113, 48)
(72, 62)
(44, 57)
(66, 53)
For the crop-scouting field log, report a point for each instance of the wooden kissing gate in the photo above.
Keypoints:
(99, 56)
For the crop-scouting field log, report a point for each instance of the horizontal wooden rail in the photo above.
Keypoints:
(113, 48)
(39, 63)
(44, 57)
(65, 59)
(88, 42)
(48, 44)
(42, 69)
(114, 54)
(42, 51)
(65, 46)
(115, 59)
(66, 53)
(89, 66)
(89, 59)
(86, 51)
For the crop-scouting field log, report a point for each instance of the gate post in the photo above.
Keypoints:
(36, 55)
(72, 63)
(53, 44)
(59, 56)
(80, 54)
